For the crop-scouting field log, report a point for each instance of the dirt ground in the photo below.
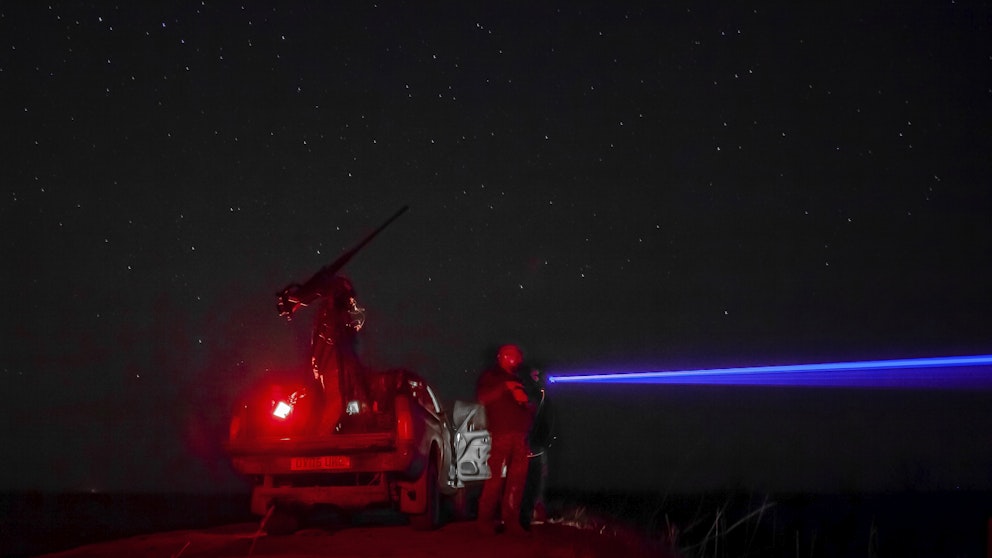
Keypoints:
(461, 540)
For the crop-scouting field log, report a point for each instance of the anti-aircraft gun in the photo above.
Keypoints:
(340, 391)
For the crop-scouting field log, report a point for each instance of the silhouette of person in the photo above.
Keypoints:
(338, 373)
(542, 435)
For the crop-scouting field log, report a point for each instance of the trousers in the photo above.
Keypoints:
(505, 493)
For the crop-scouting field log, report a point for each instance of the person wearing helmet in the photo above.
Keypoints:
(334, 356)
(338, 373)
(509, 416)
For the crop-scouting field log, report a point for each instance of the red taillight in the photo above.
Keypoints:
(404, 419)
(282, 409)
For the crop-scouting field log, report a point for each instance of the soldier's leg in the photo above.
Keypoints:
(493, 488)
(516, 480)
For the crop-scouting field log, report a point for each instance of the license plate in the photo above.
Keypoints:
(320, 463)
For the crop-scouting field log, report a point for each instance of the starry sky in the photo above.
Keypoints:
(610, 185)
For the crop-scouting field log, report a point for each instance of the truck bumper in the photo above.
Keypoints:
(370, 479)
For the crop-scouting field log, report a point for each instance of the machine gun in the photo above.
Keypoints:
(294, 296)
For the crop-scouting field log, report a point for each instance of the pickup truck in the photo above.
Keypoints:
(402, 451)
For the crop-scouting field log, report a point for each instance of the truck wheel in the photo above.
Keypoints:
(460, 505)
(431, 518)
(465, 502)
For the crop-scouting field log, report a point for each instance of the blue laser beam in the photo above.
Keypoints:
(936, 372)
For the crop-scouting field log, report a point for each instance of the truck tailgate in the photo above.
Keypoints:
(337, 444)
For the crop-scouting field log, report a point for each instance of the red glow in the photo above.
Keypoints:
(282, 410)
(404, 420)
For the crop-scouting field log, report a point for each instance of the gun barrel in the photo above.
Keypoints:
(292, 297)
(337, 264)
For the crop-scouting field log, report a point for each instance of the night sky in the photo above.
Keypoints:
(610, 185)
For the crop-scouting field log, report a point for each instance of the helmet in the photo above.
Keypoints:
(356, 315)
(342, 297)
(509, 357)
(340, 290)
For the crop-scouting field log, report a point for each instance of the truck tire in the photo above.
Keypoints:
(431, 518)
(465, 502)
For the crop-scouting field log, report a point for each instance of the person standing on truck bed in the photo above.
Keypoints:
(509, 415)
(338, 373)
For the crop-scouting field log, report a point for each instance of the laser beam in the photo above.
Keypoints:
(935, 372)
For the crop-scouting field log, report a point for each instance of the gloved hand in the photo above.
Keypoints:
(517, 390)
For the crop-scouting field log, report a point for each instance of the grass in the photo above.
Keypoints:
(746, 525)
